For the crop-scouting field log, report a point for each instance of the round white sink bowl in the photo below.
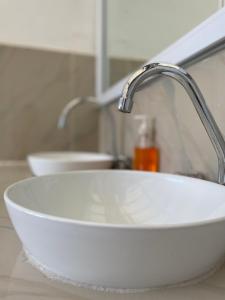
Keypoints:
(45, 163)
(120, 229)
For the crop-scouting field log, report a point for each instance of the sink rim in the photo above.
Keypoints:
(112, 225)
(46, 156)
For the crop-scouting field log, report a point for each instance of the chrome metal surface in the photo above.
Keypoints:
(81, 100)
(70, 106)
(191, 60)
(180, 75)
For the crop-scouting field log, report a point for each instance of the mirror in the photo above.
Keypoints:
(139, 30)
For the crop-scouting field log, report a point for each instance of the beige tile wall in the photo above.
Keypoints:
(184, 144)
(36, 84)
(34, 87)
(119, 68)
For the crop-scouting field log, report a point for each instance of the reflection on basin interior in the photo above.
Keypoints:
(122, 198)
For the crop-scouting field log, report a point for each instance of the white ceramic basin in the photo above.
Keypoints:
(120, 229)
(45, 163)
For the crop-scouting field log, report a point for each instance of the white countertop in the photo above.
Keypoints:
(20, 281)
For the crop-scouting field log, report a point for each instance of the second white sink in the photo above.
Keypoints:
(45, 163)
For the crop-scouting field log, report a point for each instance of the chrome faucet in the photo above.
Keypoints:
(184, 78)
(70, 106)
(120, 161)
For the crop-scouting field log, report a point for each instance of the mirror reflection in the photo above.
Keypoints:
(139, 30)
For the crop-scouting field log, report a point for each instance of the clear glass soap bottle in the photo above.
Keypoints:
(146, 153)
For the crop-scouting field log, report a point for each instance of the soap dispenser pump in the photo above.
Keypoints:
(146, 154)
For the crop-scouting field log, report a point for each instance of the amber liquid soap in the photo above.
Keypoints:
(146, 159)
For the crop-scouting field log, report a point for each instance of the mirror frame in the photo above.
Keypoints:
(204, 40)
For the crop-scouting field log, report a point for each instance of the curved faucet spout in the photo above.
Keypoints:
(180, 75)
(70, 106)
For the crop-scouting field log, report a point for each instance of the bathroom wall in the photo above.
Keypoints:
(184, 144)
(61, 25)
(134, 37)
(47, 57)
(34, 87)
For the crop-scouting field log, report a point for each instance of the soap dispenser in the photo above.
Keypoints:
(146, 154)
